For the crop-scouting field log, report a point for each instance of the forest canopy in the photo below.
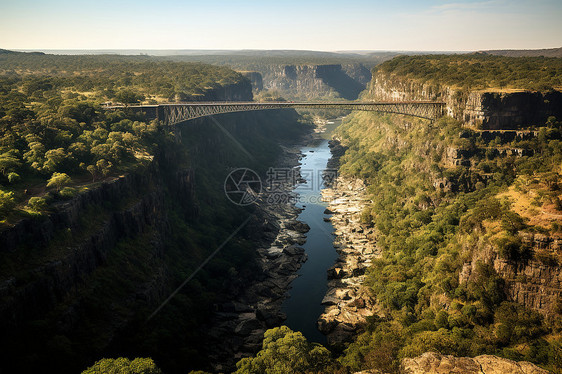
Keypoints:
(479, 71)
(53, 131)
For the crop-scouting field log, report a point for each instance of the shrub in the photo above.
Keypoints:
(508, 246)
(36, 203)
(7, 202)
(68, 192)
(13, 177)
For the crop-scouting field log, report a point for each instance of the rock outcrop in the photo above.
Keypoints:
(535, 283)
(435, 363)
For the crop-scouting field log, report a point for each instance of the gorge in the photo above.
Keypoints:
(437, 236)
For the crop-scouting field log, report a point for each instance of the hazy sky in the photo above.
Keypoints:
(291, 24)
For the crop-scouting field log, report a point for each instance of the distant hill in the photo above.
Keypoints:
(8, 52)
(551, 52)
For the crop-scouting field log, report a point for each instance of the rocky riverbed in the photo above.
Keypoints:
(347, 301)
(237, 328)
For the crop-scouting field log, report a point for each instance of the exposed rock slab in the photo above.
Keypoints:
(431, 362)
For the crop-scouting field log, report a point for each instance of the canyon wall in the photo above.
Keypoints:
(78, 283)
(255, 79)
(488, 110)
(534, 283)
(315, 81)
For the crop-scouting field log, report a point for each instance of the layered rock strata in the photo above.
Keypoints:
(490, 110)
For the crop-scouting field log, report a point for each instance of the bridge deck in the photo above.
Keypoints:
(173, 113)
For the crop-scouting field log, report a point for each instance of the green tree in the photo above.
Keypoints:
(285, 351)
(92, 169)
(8, 162)
(36, 203)
(54, 157)
(13, 177)
(58, 180)
(104, 166)
(129, 97)
(123, 366)
(7, 202)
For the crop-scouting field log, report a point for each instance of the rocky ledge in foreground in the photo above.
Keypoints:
(431, 362)
(347, 301)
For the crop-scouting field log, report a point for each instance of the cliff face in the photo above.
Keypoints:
(255, 79)
(52, 269)
(410, 165)
(39, 233)
(491, 110)
(231, 92)
(316, 81)
(87, 247)
(536, 283)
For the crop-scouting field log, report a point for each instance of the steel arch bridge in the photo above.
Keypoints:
(171, 114)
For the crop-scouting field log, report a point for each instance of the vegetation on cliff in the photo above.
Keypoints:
(433, 217)
(442, 197)
(51, 121)
(479, 71)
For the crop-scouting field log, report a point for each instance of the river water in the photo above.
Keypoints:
(303, 307)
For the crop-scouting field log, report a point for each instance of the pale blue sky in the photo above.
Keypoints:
(291, 24)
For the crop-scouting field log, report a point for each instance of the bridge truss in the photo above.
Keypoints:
(171, 114)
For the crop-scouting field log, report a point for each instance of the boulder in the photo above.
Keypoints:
(336, 273)
(270, 316)
(293, 250)
(297, 226)
(248, 322)
(330, 300)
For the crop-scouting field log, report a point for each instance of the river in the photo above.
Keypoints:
(303, 307)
